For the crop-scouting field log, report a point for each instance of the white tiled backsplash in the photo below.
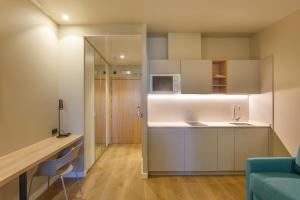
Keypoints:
(210, 108)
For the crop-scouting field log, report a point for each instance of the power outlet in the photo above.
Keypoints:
(54, 131)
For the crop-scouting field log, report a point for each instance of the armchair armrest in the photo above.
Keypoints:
(275, 164)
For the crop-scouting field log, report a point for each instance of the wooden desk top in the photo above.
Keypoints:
(16, 163)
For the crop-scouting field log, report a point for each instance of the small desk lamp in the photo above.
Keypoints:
(61, 133)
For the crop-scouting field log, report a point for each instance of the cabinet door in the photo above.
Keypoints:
(196, 76)
(250, 142)
(166, 149)
(164, 66)
(201, 149)
(226, 149)
(243, 76)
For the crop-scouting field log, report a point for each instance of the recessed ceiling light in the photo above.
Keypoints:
(65, 17)
(122, 56)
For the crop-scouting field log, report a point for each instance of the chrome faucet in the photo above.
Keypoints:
(236, 110)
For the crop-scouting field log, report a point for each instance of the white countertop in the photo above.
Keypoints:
(206, 124)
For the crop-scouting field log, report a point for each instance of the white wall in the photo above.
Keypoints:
(282, 40)
(261, 105)
(209, 108)
(28, 81)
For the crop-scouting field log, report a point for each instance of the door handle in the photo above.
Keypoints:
(138, 112)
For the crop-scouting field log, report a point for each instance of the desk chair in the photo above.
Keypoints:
(61, 166)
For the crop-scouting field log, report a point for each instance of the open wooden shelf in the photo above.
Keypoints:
(219, 76)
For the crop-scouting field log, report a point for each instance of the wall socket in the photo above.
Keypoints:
(54, 131)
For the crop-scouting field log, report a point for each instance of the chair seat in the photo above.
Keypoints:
(275, 186)
(65, 170)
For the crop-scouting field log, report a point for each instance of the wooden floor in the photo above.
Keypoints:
(116, 176)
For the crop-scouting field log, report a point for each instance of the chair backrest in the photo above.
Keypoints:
(50, 167)
(68, 157)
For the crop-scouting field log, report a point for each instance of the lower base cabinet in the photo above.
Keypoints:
(166, 149)
(226, 149)
(201, 149)
(249, 143)
(205, 149)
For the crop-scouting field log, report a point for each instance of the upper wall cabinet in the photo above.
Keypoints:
(243, 76)
(196, 76)
(164, 66)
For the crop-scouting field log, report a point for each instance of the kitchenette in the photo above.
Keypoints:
(206, 114)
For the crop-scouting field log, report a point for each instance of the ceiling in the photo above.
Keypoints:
(112, 47)
(175, 15)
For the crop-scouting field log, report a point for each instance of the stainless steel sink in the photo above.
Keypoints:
(196, 124)
(241, 124)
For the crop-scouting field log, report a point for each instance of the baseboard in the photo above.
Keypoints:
(144, 175)
(195, 173)
(42, 189)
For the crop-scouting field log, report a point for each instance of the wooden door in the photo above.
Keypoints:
(126, 125)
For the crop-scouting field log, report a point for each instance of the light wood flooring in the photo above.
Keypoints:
(116, 176)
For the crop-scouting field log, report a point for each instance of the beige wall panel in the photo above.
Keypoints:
(28, 81)
(282, 40)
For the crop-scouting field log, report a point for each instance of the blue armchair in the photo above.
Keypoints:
(272, 179)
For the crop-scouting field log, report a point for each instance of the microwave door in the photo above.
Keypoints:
(162, 84)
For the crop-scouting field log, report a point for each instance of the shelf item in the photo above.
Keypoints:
(219, 76)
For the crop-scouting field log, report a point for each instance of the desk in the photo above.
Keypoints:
(16, 164)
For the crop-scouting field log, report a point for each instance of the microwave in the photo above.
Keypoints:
(165, 83)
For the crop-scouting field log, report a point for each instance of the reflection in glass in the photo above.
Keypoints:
(100, 105)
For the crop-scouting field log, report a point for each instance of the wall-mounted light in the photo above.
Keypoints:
(122, 56)
(126, 72)
(197, 96)
(65, 17)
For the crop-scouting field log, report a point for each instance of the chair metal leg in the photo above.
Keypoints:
(48, 182)
(64, 186)
(29, 190)
(79, 185)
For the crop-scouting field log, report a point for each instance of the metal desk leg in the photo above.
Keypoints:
(23, 186)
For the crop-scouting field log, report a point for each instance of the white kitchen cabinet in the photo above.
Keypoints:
(201, 146)
(225, 149)
(206, 149)
(164, 66)
(243, 76)
(166, 149)
(250, 142)
(196, 76)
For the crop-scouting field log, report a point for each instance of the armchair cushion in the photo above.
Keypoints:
(261, 165)
(297, 164)
(275, 186)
